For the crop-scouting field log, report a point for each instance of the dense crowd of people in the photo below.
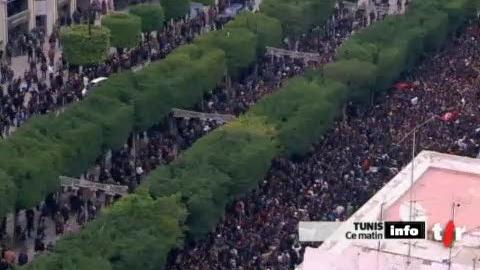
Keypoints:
(350, 163)
(235, 245)
(161, 144)
(56, 85)
(69, 210)
(48, 83)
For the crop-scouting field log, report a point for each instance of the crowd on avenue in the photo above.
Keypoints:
(259, 232)
(48, 83)
(350, 163)
(68, 211)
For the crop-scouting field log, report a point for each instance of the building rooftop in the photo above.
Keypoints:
(439, 181)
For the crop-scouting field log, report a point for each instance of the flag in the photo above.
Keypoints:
(403, 86)
(449, 234)
(450, 116)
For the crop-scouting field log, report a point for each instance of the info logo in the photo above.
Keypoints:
(404, 230)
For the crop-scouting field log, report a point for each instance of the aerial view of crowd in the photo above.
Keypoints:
(350, 164)
(352, 161)
(48, 83)
(67, 211)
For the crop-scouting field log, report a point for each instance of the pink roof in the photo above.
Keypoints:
(435, 192)
(438, 181)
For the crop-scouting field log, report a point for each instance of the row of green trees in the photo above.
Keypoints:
(88, 45)
(151, 94)
(125, 237)
(69, 143)
(299, 17)
(174, 9)
(231, 160)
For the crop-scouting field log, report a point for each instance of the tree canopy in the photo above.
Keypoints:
(239, 45)
(298, 16)
(206, 2)
(116, 237)
(68, 144)
(217, 168)
(175, 9)
(152, 16)
(124, 29)
(268, 30)
(190, 194)
(83, 47)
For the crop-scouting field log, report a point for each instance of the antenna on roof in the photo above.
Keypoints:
(410, 210)
(450, 248)
(358, 261)
(378, 247)
(414, 134)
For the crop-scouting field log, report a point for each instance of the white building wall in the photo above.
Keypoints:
(41, 7)
(3, 24)
(52, 15)
(73, 6)
(32, 14)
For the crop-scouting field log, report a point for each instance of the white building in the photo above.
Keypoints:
(19, 16)
(441, 183)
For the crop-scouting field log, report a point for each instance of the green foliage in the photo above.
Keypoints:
(120, 87)
(41, 151)
(175, 9)
(217, 168)
(180, 79)
(424, 28)
(320, 11)
(298, 16)
(268, 30)
(135, 233)
(71, 262)
(290, 13)
(82, 47)
(206, 2)
(289, 120)
(352, 49)
(68, 144)
(124, 29)
(49, 146)
(391, 63)
(152, 16)
(239, 45)
(435, 26)
(115, 118)
(301, 111)
(359, 76)
(7, 194)
(226, 163)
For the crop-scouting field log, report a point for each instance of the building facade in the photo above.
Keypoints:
(20, 16)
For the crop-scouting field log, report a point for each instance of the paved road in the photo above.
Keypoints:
(50, 235)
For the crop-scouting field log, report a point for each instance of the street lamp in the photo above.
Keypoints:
(90, 17)
(318, 29)
(413, 132)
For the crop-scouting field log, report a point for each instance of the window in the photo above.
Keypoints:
(16, 6)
